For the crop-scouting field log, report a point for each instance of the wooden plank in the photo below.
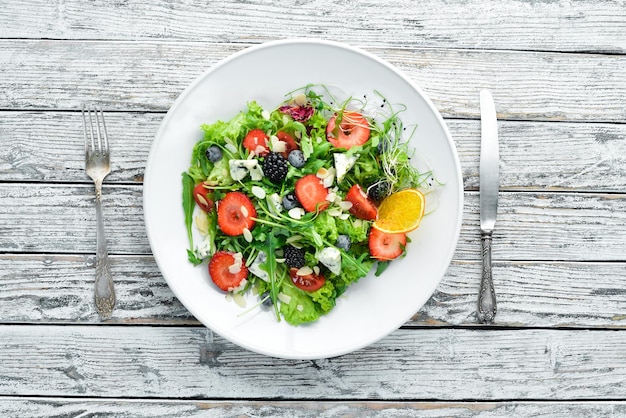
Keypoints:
(583, 26)
(531, 226)
(59, 288)
(150, 75)
(52, 288)
(58, 218)
(532, 294)
(48, 146)
(443, 364)
(55, 407)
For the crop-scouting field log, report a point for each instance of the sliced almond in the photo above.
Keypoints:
(244, 211)
(335, 212)
(201, 199)
(345, 205)
(300, 99)
(304, 271)
(259, 192)
(322, 173)
(296, 213)
(202, 223)
(316, 269)
(247, 235)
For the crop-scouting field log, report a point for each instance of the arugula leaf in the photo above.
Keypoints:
(270, 267)
(188, 206)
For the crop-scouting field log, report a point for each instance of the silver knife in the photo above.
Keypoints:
(489, 180)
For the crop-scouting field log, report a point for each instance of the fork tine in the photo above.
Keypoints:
(93, 144)
(95, 114)
(105, 137)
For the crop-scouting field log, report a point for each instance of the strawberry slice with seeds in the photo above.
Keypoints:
(256, 141)
(385, 246)
(227, 270)
(234, 213)
(201, 196)
(353, 130)
(311, 193)
(362, 206)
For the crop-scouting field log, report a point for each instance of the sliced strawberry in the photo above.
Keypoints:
(201, 196)
(353, 130)
(234, 213)
(308, 282)
(362, 206)
(287, 139)
(311, 193)
(256, 141)
(227, 271)
(385, 246)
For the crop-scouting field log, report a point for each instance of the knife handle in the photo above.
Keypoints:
(487, 297)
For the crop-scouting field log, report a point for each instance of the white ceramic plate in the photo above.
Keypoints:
(371, 308)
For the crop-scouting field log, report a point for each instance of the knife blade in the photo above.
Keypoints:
(489, 185)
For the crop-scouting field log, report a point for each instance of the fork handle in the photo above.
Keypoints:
(487, 307)
(104, 295)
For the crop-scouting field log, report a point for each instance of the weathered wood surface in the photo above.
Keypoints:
(556, 69)
(443, 364)
(32, 211)
(50, 288)
(149, 75)
(588, 25)
(58, 407)
(48, 147)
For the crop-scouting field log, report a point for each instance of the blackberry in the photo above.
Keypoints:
(343, 242)
(296, 158)
(214, 153)
(379, 190)
(294, 257)
(290, 201)
(275, 167)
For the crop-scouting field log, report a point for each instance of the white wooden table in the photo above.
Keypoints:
(557, 70)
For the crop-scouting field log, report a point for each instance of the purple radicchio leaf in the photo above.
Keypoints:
(298, 113)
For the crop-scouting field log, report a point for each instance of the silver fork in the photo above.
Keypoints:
(98, 166)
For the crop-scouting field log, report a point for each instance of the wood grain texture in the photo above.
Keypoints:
(48, 147)
(555, 25)
(58, 407)
(48, 289)
(443, 364)
(150, 75)
(531, 226)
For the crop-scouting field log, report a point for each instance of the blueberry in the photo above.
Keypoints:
(267, 300)
(290, 201)
(343, 242)
(214, 153)
(296, 158)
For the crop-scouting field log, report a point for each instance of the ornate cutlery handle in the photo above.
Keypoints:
(104, 295)
(487, 297)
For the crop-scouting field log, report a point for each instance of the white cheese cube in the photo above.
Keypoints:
(331, 258)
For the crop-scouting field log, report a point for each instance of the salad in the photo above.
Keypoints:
(296, 203)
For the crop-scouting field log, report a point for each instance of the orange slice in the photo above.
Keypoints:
(401, 211)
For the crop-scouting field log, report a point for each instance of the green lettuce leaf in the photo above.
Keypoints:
(301, 309)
